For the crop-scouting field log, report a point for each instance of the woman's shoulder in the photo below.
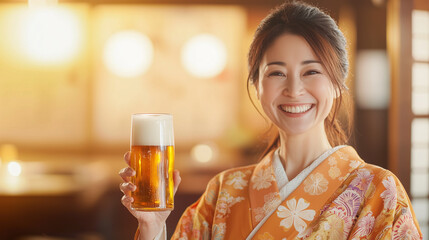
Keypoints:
(385, 182)
(378, 172)
(375, 169)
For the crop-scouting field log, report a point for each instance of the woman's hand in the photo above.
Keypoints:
(150, 223)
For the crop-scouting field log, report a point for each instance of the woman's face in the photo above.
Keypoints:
(293, 87)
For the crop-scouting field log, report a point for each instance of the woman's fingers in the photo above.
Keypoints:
(127, 188)
(127, 157)
(126, 201)
(127, 173)
(177, 179)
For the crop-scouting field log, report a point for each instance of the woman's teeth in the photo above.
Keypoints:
(296, 109)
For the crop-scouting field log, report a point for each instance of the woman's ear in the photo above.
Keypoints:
(257, 93)
(255, 89)
(337, 92)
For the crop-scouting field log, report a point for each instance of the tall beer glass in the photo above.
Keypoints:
(152, 157)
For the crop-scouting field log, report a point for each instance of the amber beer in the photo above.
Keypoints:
(152, 157)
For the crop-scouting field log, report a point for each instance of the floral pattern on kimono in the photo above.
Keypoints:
(342, 198)
(373, 205)
(223, 194)
(295, 213)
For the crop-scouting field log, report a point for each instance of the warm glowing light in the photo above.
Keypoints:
(372, 67)
(204, 55)
(38, 3)
(202, 153)
(8, 152)
(128, 53)
(14, 169)
(50, 34)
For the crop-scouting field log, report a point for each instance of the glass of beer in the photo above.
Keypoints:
(152, 157)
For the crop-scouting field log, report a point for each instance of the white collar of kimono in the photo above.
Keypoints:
(285, 186)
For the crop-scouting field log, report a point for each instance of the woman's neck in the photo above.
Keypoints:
(299, 151)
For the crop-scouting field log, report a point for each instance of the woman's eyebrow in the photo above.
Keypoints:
(284, 64)
(276, 63)
(311, 61)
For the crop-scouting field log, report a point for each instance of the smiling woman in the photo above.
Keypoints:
(293, 84)
(308, 184)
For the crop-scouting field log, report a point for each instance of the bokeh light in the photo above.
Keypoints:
(50, 34)
(202, 153)
(14, 168)
(204, 55)
(128, 53)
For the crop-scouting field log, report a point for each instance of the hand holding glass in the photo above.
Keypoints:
(152, 158)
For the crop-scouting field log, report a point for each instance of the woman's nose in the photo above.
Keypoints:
(294, 87)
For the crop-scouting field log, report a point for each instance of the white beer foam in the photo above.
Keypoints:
(152, 130)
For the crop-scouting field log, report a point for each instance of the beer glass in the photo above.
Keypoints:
(152, 157)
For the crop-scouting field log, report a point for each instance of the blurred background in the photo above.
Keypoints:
(73, 71)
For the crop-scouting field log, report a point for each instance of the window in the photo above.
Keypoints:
(420, 118)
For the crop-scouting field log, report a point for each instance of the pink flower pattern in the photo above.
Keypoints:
(350, 200)
(404, 228)
(363, 179)
(365, 225)
(389, 195)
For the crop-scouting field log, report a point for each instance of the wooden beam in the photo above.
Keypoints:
(400, 115)
(171, 2)
(421, 5)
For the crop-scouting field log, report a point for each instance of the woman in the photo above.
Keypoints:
(307, 185)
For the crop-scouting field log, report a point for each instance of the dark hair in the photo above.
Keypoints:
(327, 42)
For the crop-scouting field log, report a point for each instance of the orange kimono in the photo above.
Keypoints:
(339, 197)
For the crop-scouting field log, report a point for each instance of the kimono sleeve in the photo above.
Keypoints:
(196, 222)
(387, 212)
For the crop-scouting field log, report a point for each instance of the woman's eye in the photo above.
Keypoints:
(311, 72)
(276, 74)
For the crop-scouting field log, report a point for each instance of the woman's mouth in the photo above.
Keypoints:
(296, 109)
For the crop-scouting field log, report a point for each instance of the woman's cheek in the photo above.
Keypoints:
(323, 87)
